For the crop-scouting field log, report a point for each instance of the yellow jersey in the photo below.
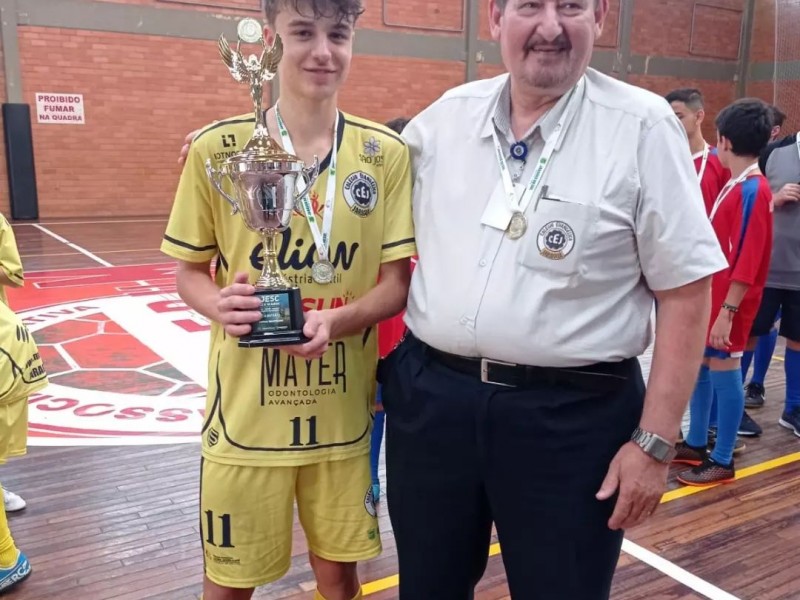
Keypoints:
(263, 406)
(21, 368)
(10, 261)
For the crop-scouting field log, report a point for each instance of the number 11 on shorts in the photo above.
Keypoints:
(226, 530)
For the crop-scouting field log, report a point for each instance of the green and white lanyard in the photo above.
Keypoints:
(322, 270)
(519, 203)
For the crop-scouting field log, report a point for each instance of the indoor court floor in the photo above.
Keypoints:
(111, 475)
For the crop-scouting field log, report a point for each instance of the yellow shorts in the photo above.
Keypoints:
(13, 429)
(246, 517)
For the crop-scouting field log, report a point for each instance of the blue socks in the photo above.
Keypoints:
(730, 396)
(792, 369)
(764, 352)
(700, 410)
(747, 358)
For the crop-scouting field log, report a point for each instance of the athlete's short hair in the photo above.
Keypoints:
(691, 97)
(747, 123)
(397, 125)
(777, 116)
(342, 10)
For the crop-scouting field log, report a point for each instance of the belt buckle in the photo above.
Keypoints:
(485, 362)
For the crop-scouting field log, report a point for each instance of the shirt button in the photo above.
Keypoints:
(482, 263)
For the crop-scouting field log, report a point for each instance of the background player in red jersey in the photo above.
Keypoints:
(689, 108)
(742, 219)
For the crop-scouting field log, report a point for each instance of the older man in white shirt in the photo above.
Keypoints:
(551, 205)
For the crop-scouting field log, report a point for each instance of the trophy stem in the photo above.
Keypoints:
(271, 276)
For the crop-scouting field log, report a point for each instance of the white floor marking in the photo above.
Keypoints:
(71, 245)
(673, 571)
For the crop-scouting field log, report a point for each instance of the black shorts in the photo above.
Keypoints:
(773, 301)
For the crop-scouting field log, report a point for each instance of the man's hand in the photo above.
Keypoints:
(641, 481)
(318, 330)
(237, 307)
(788, 193)
(720, 336)
(187, 142)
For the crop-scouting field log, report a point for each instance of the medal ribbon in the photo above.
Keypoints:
(321, 239)
(518, 204)
(703, 164)
(729, 186)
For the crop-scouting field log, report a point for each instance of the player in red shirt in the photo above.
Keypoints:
(688, 106)
(742, 219)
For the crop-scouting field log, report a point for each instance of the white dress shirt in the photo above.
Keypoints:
(621, 188)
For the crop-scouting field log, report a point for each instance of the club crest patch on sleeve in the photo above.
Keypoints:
(361, 193)
(555, 240)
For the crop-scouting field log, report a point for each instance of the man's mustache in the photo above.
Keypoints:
(560, 43)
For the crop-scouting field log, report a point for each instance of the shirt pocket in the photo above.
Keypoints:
(558, 235)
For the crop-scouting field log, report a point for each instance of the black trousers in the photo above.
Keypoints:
(462, 454)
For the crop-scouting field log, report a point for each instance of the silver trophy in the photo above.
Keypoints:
(263, 180)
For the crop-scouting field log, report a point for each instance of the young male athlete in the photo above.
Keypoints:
(690, 109)
(293, 424)
(21, 374)
(742, 219)
(11, 275)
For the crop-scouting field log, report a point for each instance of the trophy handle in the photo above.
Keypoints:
(216, 179)
(309, 175)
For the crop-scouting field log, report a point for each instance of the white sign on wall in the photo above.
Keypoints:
(60, 109)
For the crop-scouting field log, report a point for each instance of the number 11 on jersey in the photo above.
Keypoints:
(300, 433)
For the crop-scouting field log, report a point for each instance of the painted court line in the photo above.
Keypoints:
(373, 587)
(63, 240)
(673, 571)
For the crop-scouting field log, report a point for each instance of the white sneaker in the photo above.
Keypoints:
(12, 502)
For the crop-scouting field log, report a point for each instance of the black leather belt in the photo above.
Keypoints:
(599, 376)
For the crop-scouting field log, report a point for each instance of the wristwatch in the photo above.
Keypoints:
(654, 445)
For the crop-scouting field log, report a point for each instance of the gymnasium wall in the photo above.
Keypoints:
(149, 73)
(776, 77)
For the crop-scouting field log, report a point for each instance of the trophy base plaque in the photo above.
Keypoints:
(281, 321)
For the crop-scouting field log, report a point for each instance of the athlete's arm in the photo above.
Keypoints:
(232, 306)
(720, 335)
(383, 301)
(788, 193)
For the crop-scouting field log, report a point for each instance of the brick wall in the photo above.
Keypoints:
(144, 93)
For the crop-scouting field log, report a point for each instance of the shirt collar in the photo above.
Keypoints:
(500, 116)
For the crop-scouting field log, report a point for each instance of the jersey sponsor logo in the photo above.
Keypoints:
(372, 153)
(360, 191)
(126, 358)
(299, 258)
(228, 140)
(555, 240)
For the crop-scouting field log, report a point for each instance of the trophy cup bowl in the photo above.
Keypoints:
(262, 187)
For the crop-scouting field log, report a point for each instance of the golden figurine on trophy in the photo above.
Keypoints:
(262, 178)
